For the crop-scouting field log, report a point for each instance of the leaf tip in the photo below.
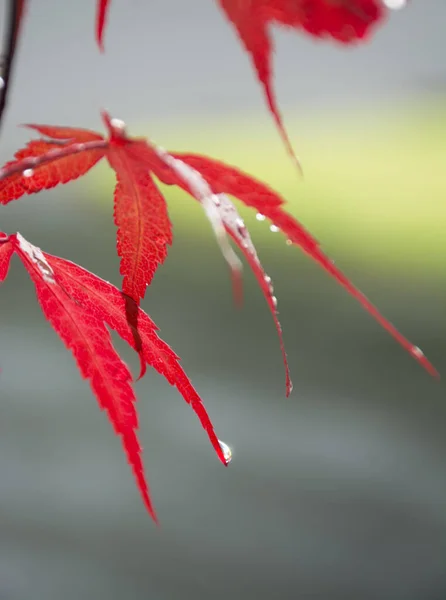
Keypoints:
(106, 118)
(152, 512)
(100, 41)
(420, 357)
(143, 366)
(101, 18)
(116, 127)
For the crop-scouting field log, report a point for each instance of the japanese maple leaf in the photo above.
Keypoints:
(208, 181)
(80, 306)
(346, 21)
(140, 213)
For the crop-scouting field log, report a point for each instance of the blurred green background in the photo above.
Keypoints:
(335, 493)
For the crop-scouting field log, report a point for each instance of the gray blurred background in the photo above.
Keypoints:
(339, 491)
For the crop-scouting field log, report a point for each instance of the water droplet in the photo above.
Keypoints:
(227, 452)
(267, 279)
(289, 242)
(28, 173)
(2, 83)
(417, 352)
(260, 217)
(240, 226)
(395, 4)
(117, 124)
(274, 301)
(273, 228)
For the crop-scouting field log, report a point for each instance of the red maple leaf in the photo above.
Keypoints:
(346, 21)
(144, 229)
(80, 306)
(208, 181)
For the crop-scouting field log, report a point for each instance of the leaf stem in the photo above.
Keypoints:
(32, 162)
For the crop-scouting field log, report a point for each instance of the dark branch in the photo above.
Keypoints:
(16, 10)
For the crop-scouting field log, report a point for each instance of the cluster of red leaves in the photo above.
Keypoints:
(80, 306)
(345, 21)
(140, 212)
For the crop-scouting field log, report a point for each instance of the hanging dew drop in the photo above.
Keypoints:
(260, 217)
(395, 4)
(117, 124)
(273, 228)
(28, 173)
(227, 452)
(274, 301)
(267, 279)
(240, 227)
(417, 352)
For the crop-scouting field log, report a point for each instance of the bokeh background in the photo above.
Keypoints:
(335, 493)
